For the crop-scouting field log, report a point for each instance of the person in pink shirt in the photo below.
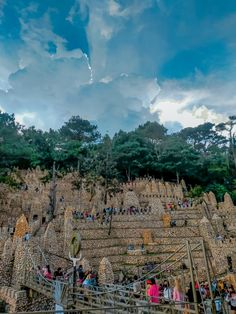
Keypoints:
(178, 294)
(48, 273)
(153, 291)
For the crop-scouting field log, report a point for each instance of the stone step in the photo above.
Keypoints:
(134, 224)
(118, 251)
(137, 241)
(119, 261)
(133, 233)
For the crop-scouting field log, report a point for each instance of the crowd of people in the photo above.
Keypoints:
(154, 290)
(91, 215)
(83, 278)
(162, 292)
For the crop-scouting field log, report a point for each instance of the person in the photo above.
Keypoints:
(48, 273)
(190, 294)
(38, 274)
(232, 300)
(178, 294)
(167, 292)
(58, 274)
(218, 302)
(153, 291)
(136, 287)
(81, 274)
(26, 236)
(87, 281)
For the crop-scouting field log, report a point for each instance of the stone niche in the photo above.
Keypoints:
(147, 237)
(166, 218)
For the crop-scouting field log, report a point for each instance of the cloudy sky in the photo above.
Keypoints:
(118, 63)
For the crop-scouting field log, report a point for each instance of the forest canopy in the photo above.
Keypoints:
(204, 156)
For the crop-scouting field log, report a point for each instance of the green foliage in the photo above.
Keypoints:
(196, 191)
(233, 196)
(204, 156)
(218, 189)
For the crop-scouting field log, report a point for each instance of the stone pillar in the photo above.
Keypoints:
(68, 229)
(206, 198)
(50, 239)
(21, 228)
(105, 272)
(183, 184)
(162, 190)
(169, 192)
(228, 203)
(218, 224)
(212, 199)
(206, 229)
(23, 262)
(154, 188)
(6, 263)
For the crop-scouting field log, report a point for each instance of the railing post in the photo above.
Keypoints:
(192, 277)
(208, 277)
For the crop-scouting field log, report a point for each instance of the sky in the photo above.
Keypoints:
(118, 63)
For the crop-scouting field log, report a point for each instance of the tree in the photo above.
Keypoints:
(80, 130)
(152, 131)
(14, 151)
(133, 154)
(203, 137)
(75, 139)
(40, 144)
(229, 127)
(179, 159)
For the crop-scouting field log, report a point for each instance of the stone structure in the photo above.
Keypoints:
(22, 227)
(131, 199)
(105, 272)
(106, 253)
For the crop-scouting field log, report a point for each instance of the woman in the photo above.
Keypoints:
(167, 292)
(48, 273)
(178, 294)
(153, 291)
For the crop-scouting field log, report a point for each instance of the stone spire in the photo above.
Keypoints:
(218, 223)
(212, 199)
(105, 272)
(21, 228)
(228, 203)
(206, 229)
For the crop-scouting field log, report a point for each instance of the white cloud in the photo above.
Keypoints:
(132, 8)
(205, 100)
(116, 86)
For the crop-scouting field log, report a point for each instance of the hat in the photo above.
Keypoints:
(148, 282)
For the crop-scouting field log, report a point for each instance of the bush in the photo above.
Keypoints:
(218, 189)
(197, 191)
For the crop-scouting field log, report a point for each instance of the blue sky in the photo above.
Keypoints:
(118, 62)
